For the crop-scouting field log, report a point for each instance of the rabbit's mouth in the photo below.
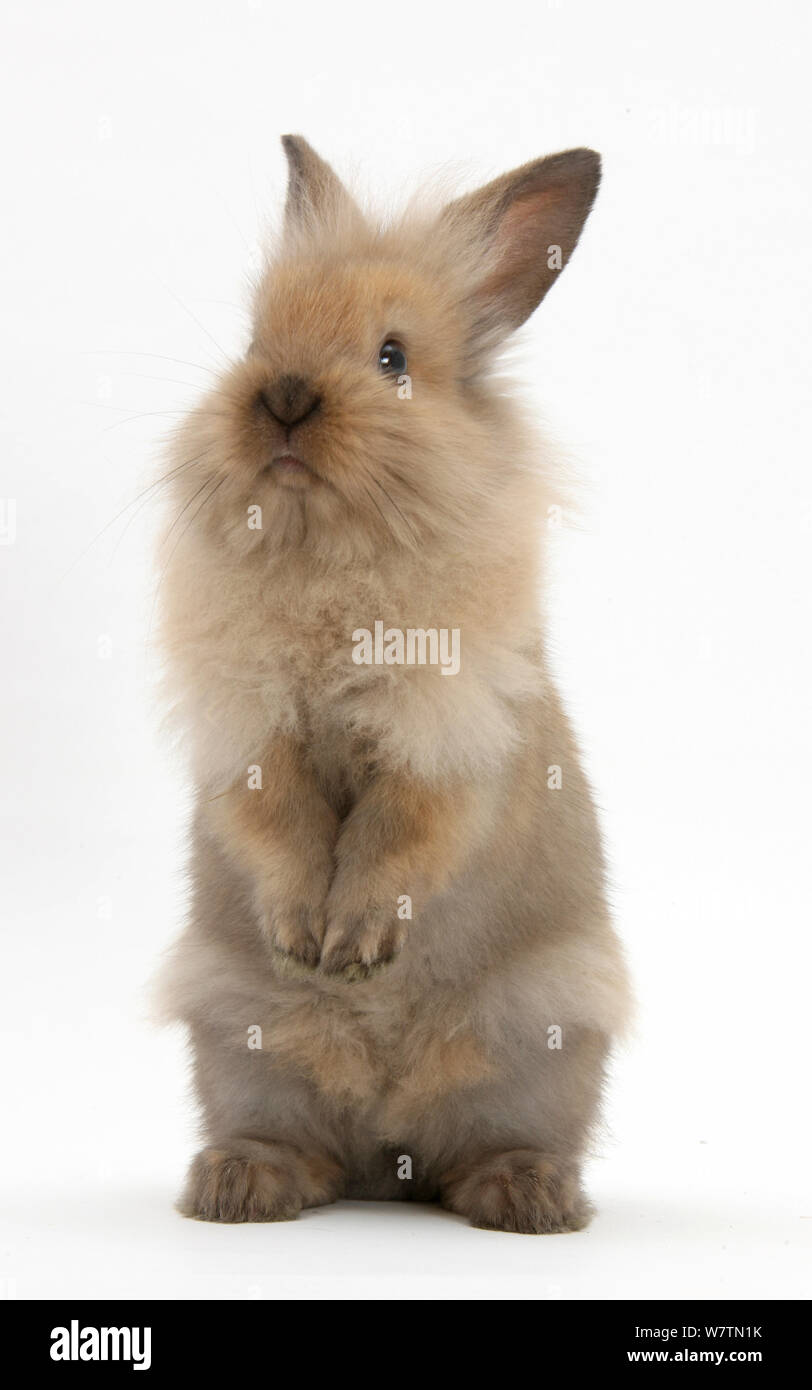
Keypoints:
(291, 471)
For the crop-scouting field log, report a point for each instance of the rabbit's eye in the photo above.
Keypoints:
(392, 358)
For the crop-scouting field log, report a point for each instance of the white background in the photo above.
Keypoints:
(141, 162)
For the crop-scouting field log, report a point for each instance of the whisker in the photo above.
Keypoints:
(186, 507)
(197, 512)
(200, 325)
(145, 415)
(384, 519)
(189, 523)
(188, 463)
(145, 498)
(157, 356)
(405, 519)
(228, 303)
(167, 380)
(154, 414)
(176, 381)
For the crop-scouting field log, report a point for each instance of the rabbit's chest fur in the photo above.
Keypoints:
(261, 649)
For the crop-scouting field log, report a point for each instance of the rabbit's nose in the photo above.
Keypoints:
(290, 399)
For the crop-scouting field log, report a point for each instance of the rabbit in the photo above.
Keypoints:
(399, 974)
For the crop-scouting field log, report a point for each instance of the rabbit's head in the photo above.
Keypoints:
(363, 413)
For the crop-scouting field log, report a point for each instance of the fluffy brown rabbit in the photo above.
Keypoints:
(399, 973)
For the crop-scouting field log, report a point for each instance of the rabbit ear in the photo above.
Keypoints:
(524, 227)
(315, 192)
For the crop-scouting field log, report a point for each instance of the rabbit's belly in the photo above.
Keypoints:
(388, 1056)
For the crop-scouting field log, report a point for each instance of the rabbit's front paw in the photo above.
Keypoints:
(360, 940)
(294, 931)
